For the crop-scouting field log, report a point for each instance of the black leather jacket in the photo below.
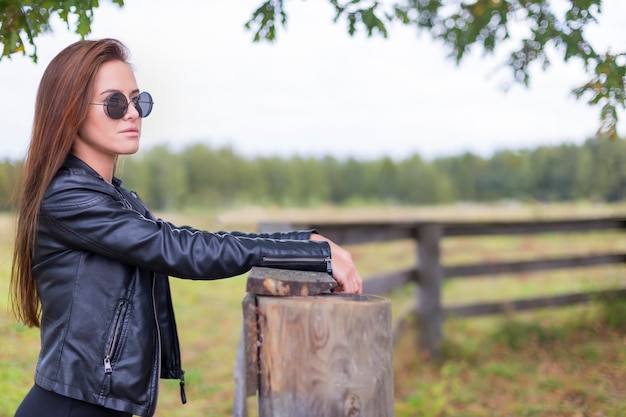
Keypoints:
(102, 263)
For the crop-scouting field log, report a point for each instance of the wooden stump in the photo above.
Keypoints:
(271, 281)
(325, 355)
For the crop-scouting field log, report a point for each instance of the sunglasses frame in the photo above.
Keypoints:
(142, 98)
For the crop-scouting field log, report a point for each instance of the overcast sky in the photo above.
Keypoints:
(316, 91)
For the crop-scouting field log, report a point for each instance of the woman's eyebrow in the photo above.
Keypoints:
(114, 90)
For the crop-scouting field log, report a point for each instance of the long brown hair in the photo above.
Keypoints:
(60, 109)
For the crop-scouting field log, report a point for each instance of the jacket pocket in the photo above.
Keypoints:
(116, 335)
(113, 345)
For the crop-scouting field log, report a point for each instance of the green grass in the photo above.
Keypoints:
(558, 362)
(569, 362)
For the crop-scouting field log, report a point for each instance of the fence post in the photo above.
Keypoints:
(429, 309)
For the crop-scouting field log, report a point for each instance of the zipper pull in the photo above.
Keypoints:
(107, 365)
(183, 397)
(329, 266)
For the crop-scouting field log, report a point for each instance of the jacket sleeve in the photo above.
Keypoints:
(93, 219)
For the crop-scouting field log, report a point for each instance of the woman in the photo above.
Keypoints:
(91, 263)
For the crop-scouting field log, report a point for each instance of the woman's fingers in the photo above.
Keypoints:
(344, 271)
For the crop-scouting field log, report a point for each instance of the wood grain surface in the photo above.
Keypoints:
(328, 355)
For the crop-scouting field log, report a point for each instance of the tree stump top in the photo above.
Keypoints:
(284, 282)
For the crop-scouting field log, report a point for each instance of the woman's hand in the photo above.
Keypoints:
(344, 272)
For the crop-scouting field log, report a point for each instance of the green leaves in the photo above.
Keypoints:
(22, 21)
(606, 88)
(370, 21)
(264, 19)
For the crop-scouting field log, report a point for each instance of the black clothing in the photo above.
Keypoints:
(101, 265)
(40, 403)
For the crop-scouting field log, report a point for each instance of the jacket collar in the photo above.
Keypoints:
(72, 162)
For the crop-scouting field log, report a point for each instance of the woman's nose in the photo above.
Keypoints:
(133, 110)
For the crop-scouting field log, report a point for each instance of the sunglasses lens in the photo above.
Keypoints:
(143, 103)
(116, 105)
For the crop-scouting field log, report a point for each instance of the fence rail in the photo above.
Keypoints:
(429, 273)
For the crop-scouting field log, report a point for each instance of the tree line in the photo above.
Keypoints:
(202, 176)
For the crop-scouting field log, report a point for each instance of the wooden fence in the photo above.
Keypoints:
(429, 272)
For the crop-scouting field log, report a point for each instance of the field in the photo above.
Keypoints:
(559, 362)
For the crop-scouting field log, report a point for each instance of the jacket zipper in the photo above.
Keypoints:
(329, 265)
(116, 331)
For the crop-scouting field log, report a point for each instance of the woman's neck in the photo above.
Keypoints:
(103, 164)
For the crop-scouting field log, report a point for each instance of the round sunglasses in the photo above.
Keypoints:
(116, 105)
